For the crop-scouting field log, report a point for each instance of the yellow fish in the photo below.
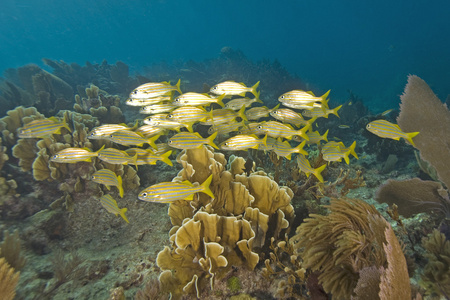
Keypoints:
(276, 129)
(130, 138)
(104, 131)
(42, 128)
(108, 178)
(110, 205)
(231, 88)
(147, 101)
(187, 140)
(73, 155)
(299, 97)
(256, 113)
(154, 89)
(287, 115)
(284, 149)
(386, 129)
(115, 156)
(236, 104)
(242, 142)
(157, 108)
(196, 99)
(147, 157)
(305, 166)
(172, 191)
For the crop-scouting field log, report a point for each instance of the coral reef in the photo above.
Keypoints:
(8, 280)
(210, 236)
(413, 196)
(436, 275)
(10, 250)
(100, 105)
(353, 237)
(421, 110)
(31, 85)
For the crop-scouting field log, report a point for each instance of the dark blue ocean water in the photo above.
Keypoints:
(368, 47)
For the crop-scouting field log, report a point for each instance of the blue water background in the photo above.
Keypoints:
(368, 47)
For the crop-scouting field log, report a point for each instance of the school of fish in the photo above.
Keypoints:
(236, 121)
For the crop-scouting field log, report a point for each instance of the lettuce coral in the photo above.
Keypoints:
(211, 235)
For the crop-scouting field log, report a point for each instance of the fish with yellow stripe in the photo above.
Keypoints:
(108, 202)
(232, 88)
(224, 115)
(236, 104)
(296, 98)
(154, 89)
(165, 192)
(287, 115)
(336, 151)
(157, 108)
(147, 157)
(320, 113)
(243, 142)
(188, 115)
(116, 156)
(256, 113)
(104, 131)
(131, 138)
(147, 101)
(305, 166)
(73, 155)
(276, 129)
(42, 128)
(197, 99)
(108, 178)
(284, 149)
(187, 140)
(386, 129)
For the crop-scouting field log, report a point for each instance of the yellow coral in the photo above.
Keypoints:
(8, 280)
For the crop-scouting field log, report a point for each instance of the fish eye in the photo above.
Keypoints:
(93, 177)
(176, 100)
(282, 97)
(226, 143)
(259, 127)
(144, 194)
(55, 156)
(135, 92)
(368, 126)
(170, 116)
(169, 142)
(214, 88)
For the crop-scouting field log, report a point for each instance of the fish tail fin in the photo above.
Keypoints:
(253, 91)
(210, 140)
(135, 157)
(299, 148)
(165, 158)
(302, 132)
(352, 150)
(346, 154)
(289, 156)
(257, 97)
(188, 126)
(122, 214)
(318, 171)
(325, 96)
(409, 137)
(119, 186)
(220, 100)
(135, 126)
(264, 140)
(205, 187)
(66, 125)
(151, 141)
(241, 113)
(325, 136)
(334, 111)
(325, 103)
(275, 108)
(103, 147)
(178, 86)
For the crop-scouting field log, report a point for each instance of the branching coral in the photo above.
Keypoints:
(348, 240)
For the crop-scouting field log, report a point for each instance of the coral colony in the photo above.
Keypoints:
(263, 182)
